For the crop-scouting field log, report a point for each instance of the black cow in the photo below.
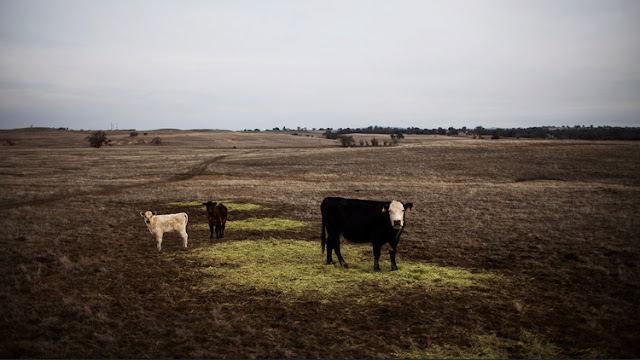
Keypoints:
(362, 221)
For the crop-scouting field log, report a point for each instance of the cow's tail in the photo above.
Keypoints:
(186, 219)
(323, 239)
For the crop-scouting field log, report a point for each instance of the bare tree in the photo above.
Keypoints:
(97, 139)
(347, 141)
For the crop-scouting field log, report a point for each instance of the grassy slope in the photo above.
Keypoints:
(554, 223)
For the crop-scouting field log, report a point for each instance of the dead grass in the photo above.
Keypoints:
(231, 206)
(81, 277)
(487, 347)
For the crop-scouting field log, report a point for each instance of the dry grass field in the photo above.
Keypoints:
(514, 248)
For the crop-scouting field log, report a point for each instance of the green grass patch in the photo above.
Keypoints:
(295, 270)
(263, 224)
(231, 206)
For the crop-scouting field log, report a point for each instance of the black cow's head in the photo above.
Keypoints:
(396, 211)
(210, 206)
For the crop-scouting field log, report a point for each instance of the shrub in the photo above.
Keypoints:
(155, 141)
(347, 141)
(133, 134)
(330, 135)
(97, 139)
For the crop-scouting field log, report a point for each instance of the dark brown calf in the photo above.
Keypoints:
(217, 215)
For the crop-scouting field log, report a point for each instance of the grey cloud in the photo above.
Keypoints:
(255, 64)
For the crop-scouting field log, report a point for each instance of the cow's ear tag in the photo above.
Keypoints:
(408, 209)
(384, 210)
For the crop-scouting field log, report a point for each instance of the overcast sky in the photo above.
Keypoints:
(348, 63)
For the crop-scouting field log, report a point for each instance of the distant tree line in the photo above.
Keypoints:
(393, 130)
(349, 141)
(575, 133)
(99, 138)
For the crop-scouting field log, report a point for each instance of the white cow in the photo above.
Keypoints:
(160, 224)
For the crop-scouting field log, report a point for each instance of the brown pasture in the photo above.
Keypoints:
(80, 275)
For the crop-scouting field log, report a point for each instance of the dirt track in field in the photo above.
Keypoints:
(199, 169)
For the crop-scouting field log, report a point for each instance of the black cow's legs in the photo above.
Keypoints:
(333, 244)
(342, 262)
(392, 256)
(376, 257)
(210, 231)
(329, 251)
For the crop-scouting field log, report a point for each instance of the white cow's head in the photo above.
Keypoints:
(396, 211)
(147, 216)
